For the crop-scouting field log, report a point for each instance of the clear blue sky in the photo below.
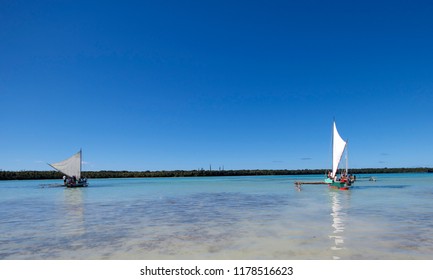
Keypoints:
(164, 85)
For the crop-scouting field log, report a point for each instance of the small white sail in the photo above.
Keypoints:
(71, 166)
(337, 150)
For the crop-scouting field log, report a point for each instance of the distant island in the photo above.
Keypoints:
(36, 175)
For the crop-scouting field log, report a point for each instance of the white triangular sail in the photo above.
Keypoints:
(338, 147)
(71, 166)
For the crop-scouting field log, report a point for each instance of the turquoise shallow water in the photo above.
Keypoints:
(263, 217)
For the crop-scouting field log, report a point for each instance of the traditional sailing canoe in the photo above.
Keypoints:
(71, 167)
(338, 148)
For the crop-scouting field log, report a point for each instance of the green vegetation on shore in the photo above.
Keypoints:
(34, 175)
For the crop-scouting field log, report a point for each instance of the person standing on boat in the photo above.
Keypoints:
(343, 177)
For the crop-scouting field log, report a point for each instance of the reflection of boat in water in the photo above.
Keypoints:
(71, 167)
(338, 223)
(73, 220)
(338, 147)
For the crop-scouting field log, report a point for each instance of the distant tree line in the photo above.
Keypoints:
(34, 175)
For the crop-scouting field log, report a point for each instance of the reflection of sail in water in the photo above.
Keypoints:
(338, 220)
(74, 213)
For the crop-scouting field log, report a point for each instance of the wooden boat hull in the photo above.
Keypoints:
(338, 185)
(343, 186)
(329, 181)
(77, 185)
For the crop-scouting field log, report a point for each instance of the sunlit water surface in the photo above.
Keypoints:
(263, 217)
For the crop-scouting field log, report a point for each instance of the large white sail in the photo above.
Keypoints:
(337, 150)
(71, 166)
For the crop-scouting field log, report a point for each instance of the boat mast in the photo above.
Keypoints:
(332, 148)
(81, 161)
(347, 158)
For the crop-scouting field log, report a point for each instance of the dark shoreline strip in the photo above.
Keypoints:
(35, 175)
